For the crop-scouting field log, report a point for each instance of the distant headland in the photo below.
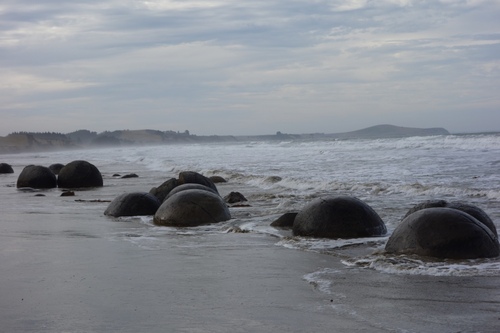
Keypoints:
(36, 141)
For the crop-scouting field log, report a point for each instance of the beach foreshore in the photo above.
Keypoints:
(77, 279)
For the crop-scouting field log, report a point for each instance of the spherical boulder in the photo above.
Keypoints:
(78, 174)
(475, 211)
(443, 233)
(36, 176)
(133, 204)
(56, 167)
(338, 217)
(191, 208)
(6, 168)
(194, 177)
(190, 186)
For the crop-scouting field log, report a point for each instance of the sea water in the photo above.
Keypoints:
(390, 175)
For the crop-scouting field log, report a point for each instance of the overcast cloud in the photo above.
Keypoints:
(249, 67)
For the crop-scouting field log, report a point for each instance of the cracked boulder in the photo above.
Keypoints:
(192, 208)
(338, 217)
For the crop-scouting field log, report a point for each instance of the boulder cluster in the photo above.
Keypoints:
(187, 201)
(435, 228)
(76, 174)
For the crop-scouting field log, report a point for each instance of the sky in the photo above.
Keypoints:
(249, 66)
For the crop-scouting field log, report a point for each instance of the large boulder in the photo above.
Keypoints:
(162, 191)
(186, 177)
(190, 186)
(78, 174)
(475, 211)
(191, 208)
(338, 217)
(36, 176)
(443, 233)
(6, 168)
(133, 204)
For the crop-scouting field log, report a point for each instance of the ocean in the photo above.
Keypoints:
(66, 267)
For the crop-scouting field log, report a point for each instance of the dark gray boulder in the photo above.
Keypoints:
(217, 179)
(190, 186)
(6, 168)
(133, 204)
(164, 189)
(78, 174)
(235, 197)
(472, 210)
(191, 208)
(443, 233)
(186, 177)
(36, 176)
(285, 221)
(338, 217)
(56, 167)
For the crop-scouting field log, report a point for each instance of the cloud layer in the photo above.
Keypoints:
(249, 67)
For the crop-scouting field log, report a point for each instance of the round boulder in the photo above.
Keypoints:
(190, 186)
(186, 177)
(6, 168)
(36, 176)
(443, 233)
(472, 210)
(79, 174)
(133, 204)
(338, 217)
(191, 208)
(56, 167)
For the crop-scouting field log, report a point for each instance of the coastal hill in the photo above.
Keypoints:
(391, 131)
(35, 141)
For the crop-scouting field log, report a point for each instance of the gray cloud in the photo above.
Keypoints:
(225, 67)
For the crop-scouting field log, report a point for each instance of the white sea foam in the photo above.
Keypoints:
(407, 265)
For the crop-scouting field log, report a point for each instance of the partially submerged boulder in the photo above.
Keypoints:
(285, 221)
(217, 179)
(6, 168)
(186, 177)
(133, 204)
(472, 210)
(36, 176)
(190, 186)
(164, 189)
(338, 217)
(191, 208)
(234, 197)
(78, 174)
(443, 233)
